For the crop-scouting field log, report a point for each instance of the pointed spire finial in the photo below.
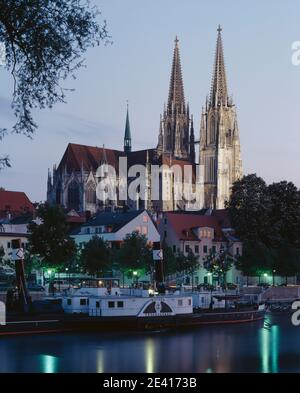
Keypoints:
(219, 94)
(127, 136)
(176, 91)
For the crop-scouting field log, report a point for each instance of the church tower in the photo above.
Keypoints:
(127, 136)
(219, 138)
(175, 125)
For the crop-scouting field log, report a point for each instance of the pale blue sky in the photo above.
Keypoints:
(257, 38)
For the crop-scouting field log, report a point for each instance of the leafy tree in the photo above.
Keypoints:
(256, 259)
(218, 264)
(285, 214)
(135, 253)
(169, 260)
(267, 220)
(44, 42)
(50, 240)
(249, 208)
(191, 264)
(287, 262)
(96, 256)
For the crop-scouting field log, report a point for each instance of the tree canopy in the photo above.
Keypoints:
(44, 42)
(135, 253)
(50, 240)
(96, 257)
(267, 220)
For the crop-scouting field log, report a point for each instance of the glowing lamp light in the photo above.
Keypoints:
(135, 273)
(49, 272)
(265, 274)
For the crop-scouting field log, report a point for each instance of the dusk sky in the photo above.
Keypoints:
(257, 39)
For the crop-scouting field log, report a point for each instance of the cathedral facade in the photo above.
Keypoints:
(73, 183)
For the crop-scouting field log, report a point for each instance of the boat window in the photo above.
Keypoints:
(180, 302)
(190, 302)
(97, 304)
(69, 302)
(111, 304)
(120, 304)
(83, 302)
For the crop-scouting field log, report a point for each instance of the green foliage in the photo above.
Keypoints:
(218, 263)
(249, 208)
(135, 253)
(256, 259)
(44, 41)
(169, 260)
(50, 241)
(96, 256)
(267, 220)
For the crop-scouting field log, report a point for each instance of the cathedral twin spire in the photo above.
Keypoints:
(176, 137)
(219, 93)
(176, 99)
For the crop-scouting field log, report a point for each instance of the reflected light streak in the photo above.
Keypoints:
(49, 364)
(149, 355)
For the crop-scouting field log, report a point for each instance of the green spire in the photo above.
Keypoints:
(127, 136)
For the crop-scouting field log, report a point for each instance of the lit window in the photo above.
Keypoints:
(145, 218)
(145, 231)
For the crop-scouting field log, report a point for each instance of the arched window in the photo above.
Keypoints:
(73, 195)
(90, 193)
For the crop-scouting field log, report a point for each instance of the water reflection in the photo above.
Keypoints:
(149, 355)
(49, 364)
(255, 347)
(269, 346)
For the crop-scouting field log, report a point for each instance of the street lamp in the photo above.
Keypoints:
(266, 277)
(135, 274)
(274, 271)
(67, 269)
(209, 275)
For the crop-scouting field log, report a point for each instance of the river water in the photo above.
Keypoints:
(268, 346)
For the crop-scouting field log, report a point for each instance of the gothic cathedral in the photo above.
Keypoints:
(73, 183)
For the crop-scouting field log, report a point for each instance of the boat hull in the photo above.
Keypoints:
(163, 322)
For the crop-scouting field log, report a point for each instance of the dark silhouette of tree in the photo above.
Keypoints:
(267, 220)
(44, 42)
(96, 257)
(50, 240)
(135, 253)
(218, 264)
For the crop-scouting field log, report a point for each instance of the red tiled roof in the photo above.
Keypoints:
(184, 223)
(14, 202)
(89, 157)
